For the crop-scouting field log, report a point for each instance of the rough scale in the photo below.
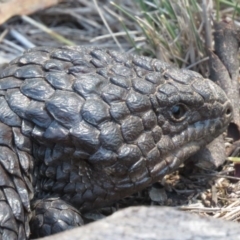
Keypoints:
(83, 127)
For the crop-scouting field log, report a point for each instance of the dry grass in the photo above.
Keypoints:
(147, 27)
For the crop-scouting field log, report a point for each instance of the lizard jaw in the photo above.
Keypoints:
(179, 151)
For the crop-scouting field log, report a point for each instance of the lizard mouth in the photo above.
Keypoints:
(174, 150)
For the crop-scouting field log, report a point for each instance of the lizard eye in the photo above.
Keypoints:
(178, 112)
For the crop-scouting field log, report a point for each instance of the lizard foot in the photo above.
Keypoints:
(53, 215)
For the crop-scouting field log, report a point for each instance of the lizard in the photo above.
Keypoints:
(82, 127)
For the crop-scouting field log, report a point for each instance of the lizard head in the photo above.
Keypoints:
(191, 112)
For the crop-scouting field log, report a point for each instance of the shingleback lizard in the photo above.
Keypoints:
(83, 127)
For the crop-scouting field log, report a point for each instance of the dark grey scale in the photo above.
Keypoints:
(79, 154)
(118, 170)
(105, 156)
(21, 231)
(149, 120)
(95, 111)
(139, 173)
(50, 172)
(36, 111)
(76, 179)
(103, 72)
(56, 65)
(127, 155)
(216, 111)
(34, 58)
(8, 71)
(65, 107)
(63, 171)
(166, 126)
(188, 100)
(128, 63)
(8, 222)
(88, 195)
(121, 81)
(143, 62)
(111, 136)
(101, 192)
(144, 87)
(2, 196)
(157, 133)
(80, 188)
(138, 103)
(68, 149)
(155, 78)
(17, 102)
(160, 66)
(29, 71)
(25, 160)
(79, 69)
(23, 192)
(98, 63)
(184, 88)
(85, 137)
(47, 184)
(152, 158)
(28, 181)
(119, 111)
(67, 166)
(43, 167)
(60, 80)
(164, 144)
(179, 76)
(67, 54)
(112, 93)
(104, 58)
(37, 88)
(59, 153)
(9, 161)
(7, 116)
(167, 98)
(27, 127)
(168, 89)
(69, 188)
(119, 58)
(123, 71)
(82, 63)
(141, 72)
(100, 59)
(206, 107)
(48, 160)
(146, 143)
(15, 203)
(56, 131)
(37, 133)
(204, 92)
(89, 85)
(217, 92)
(10, 82)
(6, 135)
(4, 180)
(131, 128)
(22, 142)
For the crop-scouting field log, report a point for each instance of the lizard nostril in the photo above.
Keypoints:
(228, 111)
